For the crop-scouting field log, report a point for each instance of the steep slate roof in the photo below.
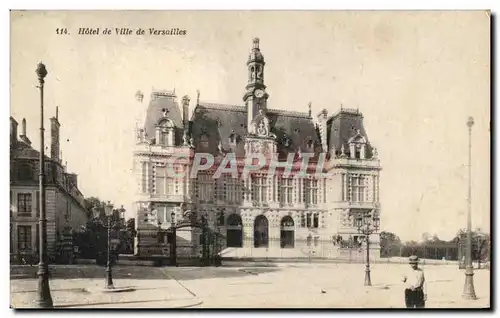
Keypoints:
(23, 151)
(163, 100)
(344, 125)
(219, 121)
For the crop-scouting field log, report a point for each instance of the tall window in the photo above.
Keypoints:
(160, 180)
(37, 238)
(144, 177)
(357, 189)
(11, 239)
(24, 238)
(205, 183)
(233, 187)
(67, 216)
(177, 181)
(285, 190)
(310, 191)
(37, 203)
(221, 187)
(24, 201)
(259, 188)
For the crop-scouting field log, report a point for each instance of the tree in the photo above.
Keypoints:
(93, 202)
(390, 244)
(425, 237)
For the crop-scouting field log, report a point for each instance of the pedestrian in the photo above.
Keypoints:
(415, 291)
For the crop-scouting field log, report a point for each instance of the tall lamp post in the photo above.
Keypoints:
(173, 237)
(469, 292)
(108, 209)
(204, 225)
(160, 239)
(44, 299)
(367, 223)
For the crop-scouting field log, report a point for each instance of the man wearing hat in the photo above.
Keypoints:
(415, 295)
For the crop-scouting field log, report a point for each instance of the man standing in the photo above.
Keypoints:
(415, 295)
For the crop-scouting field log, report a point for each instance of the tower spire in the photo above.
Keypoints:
(256, 43)
(255, 96)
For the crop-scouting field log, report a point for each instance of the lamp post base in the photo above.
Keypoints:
(44, 299)
(109, 279)
(469, 292)
(368, 281)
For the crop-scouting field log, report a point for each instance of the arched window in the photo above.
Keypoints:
(234, 231)
(261, 231)
(165, 133)
(204, 140)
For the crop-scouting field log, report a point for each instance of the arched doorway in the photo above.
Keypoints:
(234, 231)
(261, 232)
(287, 237)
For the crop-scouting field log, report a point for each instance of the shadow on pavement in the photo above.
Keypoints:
(136, 272)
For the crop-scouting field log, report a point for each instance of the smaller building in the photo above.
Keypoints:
(64, 208)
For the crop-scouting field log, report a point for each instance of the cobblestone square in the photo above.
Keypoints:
(272, 286)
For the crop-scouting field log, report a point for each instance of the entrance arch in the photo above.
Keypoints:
(287, 237)
(234, 231)
(261, 232)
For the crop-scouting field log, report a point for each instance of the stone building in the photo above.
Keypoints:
(64, 202)
(259, 214)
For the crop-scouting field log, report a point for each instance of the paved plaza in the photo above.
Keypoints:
(272, 286)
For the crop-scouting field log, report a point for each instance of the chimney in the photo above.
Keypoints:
(322, 119)
(23, 135)
(139, 96)
(185, 111)
(13, 132)
(54, 136)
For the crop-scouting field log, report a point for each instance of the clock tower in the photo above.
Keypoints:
(255, 97)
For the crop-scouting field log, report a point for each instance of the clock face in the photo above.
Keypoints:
(259, 93)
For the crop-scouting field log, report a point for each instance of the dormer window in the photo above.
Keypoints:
(309, 143)
(165, 133)
(204, 140)
(357, 146)
(286, 141)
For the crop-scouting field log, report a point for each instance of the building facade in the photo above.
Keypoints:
(260, 212)
(64, 208)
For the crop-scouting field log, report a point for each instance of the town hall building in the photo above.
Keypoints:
(257, 214)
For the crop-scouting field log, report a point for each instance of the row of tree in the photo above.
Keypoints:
(432, 247)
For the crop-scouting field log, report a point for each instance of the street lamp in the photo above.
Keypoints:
(469, 292)
(158, 222)
(44, 299)
(204, 226)
(367, 223)
(108, 209)
(218, 249)
(173, 237)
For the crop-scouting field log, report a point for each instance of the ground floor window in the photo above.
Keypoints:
(24, 238)
(261, 231)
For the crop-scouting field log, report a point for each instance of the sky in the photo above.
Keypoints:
(415, 76)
